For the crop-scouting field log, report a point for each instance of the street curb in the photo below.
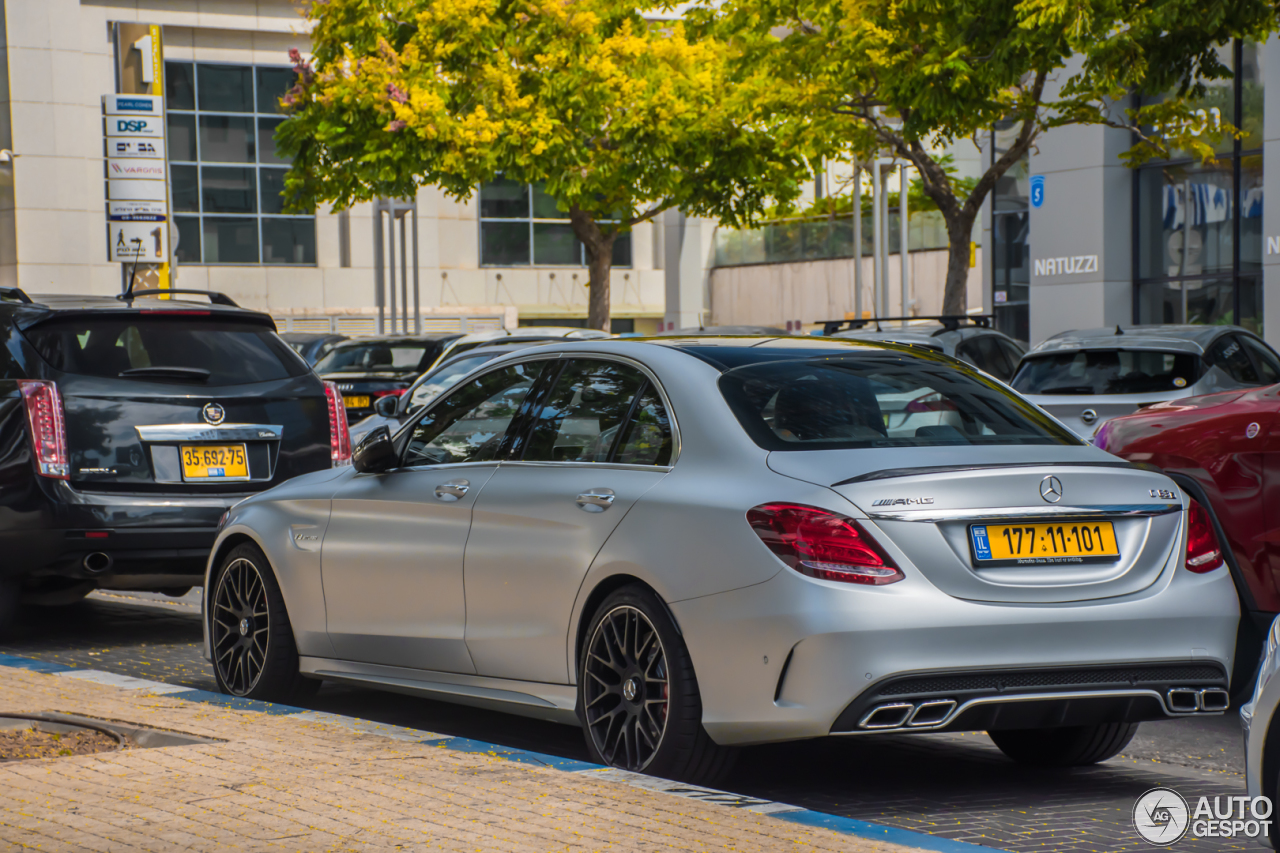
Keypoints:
(769, 808)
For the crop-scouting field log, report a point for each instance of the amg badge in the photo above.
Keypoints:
(903, 502)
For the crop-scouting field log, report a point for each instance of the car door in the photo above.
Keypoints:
(599, 439)
(392, 556)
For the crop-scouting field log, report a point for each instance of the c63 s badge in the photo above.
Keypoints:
(902, 502)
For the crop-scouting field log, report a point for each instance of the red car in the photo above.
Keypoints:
(1224, 451)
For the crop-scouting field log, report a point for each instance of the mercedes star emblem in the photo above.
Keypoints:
(1051, 489)
(213, 413)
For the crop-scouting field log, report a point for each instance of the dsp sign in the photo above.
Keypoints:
(148, 126)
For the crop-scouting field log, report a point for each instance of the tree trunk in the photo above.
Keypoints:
(599, 248)
(959, 234)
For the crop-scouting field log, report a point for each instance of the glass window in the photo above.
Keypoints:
(469, 424)
(223, 162)
(880, 400)
(358, 357)
(443, 378)
(1264, 358)
(1199, 228)
(224, 88)
(1229, 354)
(647, 437)
(579, 420)
(164, 349)
(520, 225)
(1111, 371)
(984, 353)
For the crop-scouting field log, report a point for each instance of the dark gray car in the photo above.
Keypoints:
(985, 348)
(1084, 378)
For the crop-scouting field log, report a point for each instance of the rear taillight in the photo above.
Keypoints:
(48, 427)
(339, 437)
(1204, 554)
(821, 544)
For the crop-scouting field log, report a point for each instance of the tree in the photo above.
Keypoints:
(908, 77)
(621, 117)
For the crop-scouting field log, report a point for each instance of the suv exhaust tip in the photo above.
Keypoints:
(97, 562)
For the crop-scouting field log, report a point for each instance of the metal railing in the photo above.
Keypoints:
(822, 238)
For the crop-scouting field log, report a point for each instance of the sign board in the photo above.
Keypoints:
(137, 211)
(136, 167)
(1037, 190)
(145, 126)
(132, 105)
(121, 147)
(138, 242)
(129, 189)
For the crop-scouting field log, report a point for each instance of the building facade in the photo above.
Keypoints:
(506, 252)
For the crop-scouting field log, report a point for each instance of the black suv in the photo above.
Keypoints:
(128, 427)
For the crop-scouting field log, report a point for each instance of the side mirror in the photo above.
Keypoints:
(375, 453)
(386, 406)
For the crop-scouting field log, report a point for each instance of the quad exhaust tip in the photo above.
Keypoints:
(896, 715)
(1188, 700)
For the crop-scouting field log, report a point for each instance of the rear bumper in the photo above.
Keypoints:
(143, 535)
(795, 658)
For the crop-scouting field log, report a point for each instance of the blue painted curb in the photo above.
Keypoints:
(836, 823)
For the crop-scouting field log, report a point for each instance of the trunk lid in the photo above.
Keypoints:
(925, 502)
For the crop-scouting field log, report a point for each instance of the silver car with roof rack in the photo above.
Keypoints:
(684, 545)
(1086, 377)
(968, 337)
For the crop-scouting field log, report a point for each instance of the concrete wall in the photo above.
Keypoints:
(812, 291)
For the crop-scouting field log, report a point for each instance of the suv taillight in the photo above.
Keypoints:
(1204, 554)
(48, 427)
(821, 544)
(339, 437)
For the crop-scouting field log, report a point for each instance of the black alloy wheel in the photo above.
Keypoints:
(254, 652)
(241, 626)
(627, 692)
(638, 696)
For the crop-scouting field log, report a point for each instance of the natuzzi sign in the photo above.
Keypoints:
(1066, 266)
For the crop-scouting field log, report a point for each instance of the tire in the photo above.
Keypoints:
(1065, 747)
(638, 696)
(254, 654)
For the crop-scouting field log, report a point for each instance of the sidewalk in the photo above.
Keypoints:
(291, 781)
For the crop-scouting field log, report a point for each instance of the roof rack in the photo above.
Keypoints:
(214, 296)
(950, 322)
(14, 294)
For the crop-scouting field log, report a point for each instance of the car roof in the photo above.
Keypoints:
(496, 349)
(725, 352)
(725, 330)
(910, 335)
(366, 340)
(1186, 338)
(307, 337)
(47, 306)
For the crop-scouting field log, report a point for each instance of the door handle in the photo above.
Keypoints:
(596, 500)
(453, 490)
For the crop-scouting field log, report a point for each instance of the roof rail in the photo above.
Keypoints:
(214, 296)
(14, 294)
(950, 322)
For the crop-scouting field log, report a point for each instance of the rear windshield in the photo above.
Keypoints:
(377, 355)
(153, 348)
(1112, 371)
(880, 400)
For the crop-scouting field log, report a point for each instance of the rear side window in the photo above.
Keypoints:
(378, 355)
(1228, 354)
(986, 354)
(880, 400)
(165, 349)
(1268, 364)
(1112, 371)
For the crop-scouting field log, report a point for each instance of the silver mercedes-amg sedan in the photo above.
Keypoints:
(689, 544)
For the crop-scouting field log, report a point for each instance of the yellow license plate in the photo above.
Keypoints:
(356, 402)
(214, 462)
(1039, 544)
